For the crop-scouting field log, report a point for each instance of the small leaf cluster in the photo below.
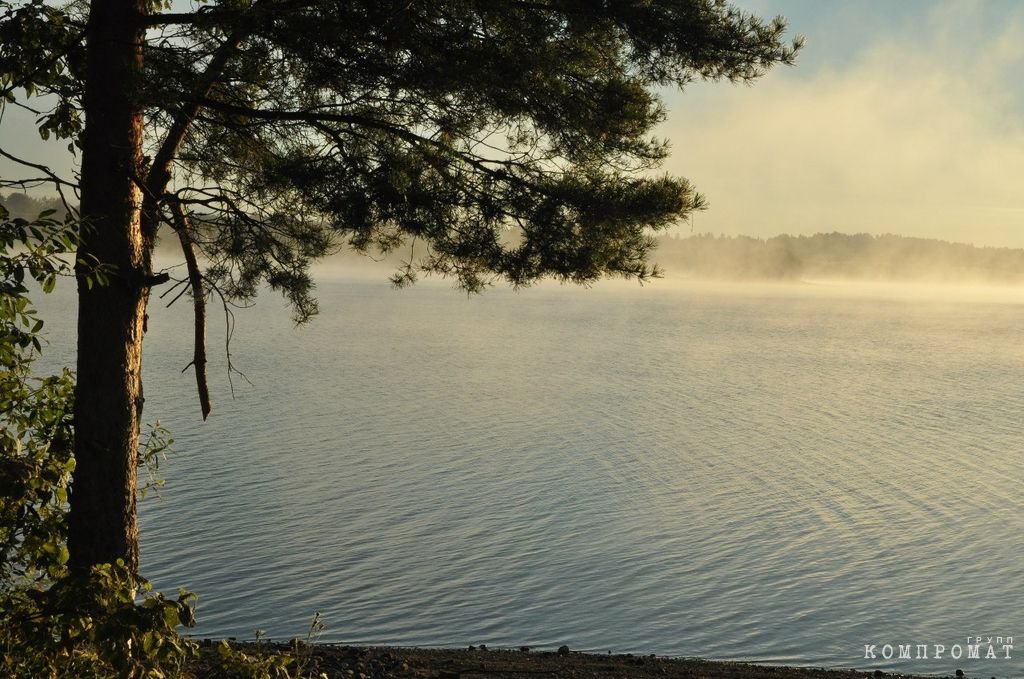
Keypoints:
(41, 53)
(235, 663)
(29, 250)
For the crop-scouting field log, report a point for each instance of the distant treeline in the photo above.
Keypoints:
(837, 255)
(27, 207)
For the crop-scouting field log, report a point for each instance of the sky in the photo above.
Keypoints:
(900, 116)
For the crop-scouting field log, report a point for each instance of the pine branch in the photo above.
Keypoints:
(160, 172)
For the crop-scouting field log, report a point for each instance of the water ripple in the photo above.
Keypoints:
(767, 475)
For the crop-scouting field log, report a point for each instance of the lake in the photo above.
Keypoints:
(783, 474)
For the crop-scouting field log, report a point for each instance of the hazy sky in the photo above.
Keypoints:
(901, 116)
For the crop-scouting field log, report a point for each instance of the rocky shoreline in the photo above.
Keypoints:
(323, 661)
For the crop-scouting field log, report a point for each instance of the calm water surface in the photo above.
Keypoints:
(780, 474)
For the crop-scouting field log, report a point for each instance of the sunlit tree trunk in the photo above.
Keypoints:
(111, 318)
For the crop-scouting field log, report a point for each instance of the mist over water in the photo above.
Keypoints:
(774, 473)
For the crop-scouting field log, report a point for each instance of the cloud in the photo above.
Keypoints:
(919, 135)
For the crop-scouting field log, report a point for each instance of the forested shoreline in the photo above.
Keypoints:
(837, 255)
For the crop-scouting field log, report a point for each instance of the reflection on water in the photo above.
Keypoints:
(776, 473)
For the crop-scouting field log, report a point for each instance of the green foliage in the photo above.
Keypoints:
(97, 627)
(264, 661)
(235, 663)
(109, 624)
(42, 55)
(152, 451)
(35, 468)
(35, 413)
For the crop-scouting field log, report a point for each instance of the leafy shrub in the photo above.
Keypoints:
(35, 413)
(108, 623)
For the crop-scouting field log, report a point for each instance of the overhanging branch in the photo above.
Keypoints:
(318, 120)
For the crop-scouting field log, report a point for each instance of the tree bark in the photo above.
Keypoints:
(111, 318)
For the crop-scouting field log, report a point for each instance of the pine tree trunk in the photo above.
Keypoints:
(111, 318)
